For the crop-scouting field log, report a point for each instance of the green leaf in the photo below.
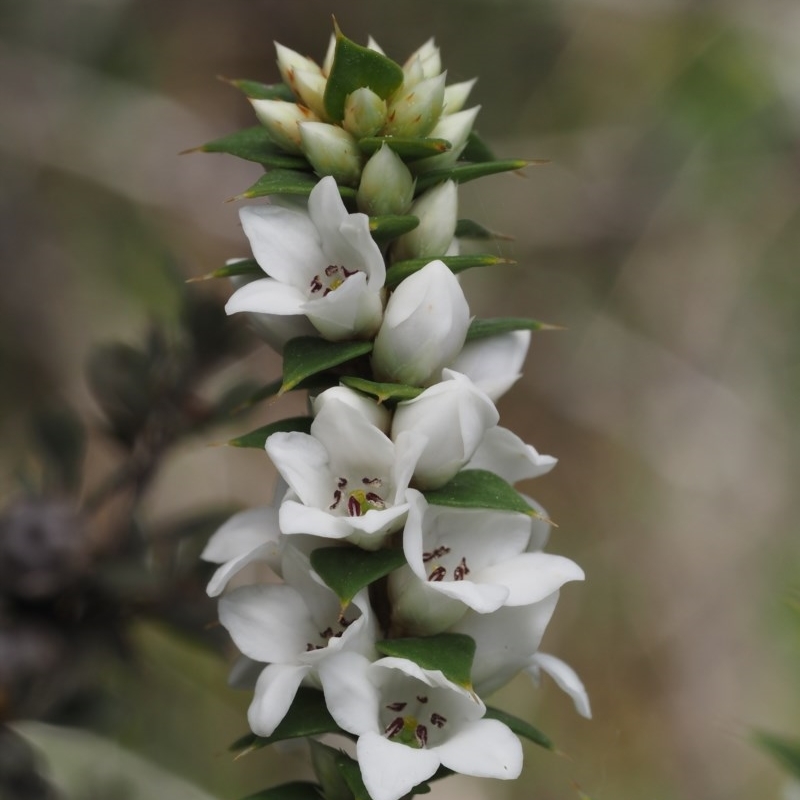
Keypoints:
(520, 727)
(350, 771)
(355, 66)
(261, 91)
(784, 750)
(320, 381)
(400, 270)
(407, 147)
(253, 144)
(307, 716)
(325, 761)
(477, 150)
(259, 436)
(296, 790)
(347, 570)
(483, 328)
(289, 182)
(461, 173)
(244, 266)
(383, 392)
(469, 229)
(478, 488)
(388, 227)
(450, 653)
(307, 355)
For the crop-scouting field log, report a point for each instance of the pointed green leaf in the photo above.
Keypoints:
(347, 570)
(296, 790)
(450, 653)
(388, 227)
(400, 270)
(478, 488)
(259, 436)
(320, 381)
(383, 392)
(469, 229)
(408, 148)
(483, 328)
(307, 355)
(351, 773)
(325, 761)
(461, 173)
(253, 144)
(355, 66)
(520, 727)
(244, 266)
(307, 716)
(261, 91)
(784, 750)
(289, 182)
(477, 150)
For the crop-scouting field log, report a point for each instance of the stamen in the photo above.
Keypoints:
(437, 575)
(398, 706)
(438, 720)
(437, 553)
(394, 727)
(374, 482)
(376, 500)
(341, 483)
(421, 734)
(353, 506)
(421, 698)
(461, 571)
(337, 496)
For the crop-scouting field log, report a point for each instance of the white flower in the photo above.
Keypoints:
(468, 558)
(494, 363)
(423, 329)
(409, 721)
(322, 263)
(292, 627)
(505, 454)
(347, 479)
(454, 416)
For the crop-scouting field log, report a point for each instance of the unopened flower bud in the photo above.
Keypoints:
(281, 119)
(428, 57)
(456, 129)
(378, 415)
(437, 210)
(289, 61)
(364, 113)
(456, 95)
(424, 327)
(387, 186)
(331, 151)
(416, 112)
(310, 88)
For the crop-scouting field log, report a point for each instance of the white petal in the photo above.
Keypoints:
(285, 242)
(375, 413)
(391, 769)
(276, 688)
(299, 518)
(530, 577)
(267, 623)
(242, 533)
(566, 678)
(485, 748)
(494, 364)
(266, 296)
(351, 310)
(352, 698)
(303, 463)
(219, 580)
(505, 454)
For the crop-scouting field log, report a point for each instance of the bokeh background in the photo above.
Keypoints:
(664, 236)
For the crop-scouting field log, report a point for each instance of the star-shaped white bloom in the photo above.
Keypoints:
(409, 721)
(347, 479)
(321, 262)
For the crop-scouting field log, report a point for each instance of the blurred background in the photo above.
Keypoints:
(664, 236)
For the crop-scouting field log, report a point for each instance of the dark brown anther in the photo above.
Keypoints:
(437, 575)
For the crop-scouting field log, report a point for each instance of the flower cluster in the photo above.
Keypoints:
(406, 577)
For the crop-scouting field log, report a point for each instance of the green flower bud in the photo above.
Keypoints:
(331, 151)
(281, 119)
(310, 88)
(387, 186)
(456, 95)
(416, 112)
(428, 58)
(290, 62)
(437, 210)
(364, 113)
